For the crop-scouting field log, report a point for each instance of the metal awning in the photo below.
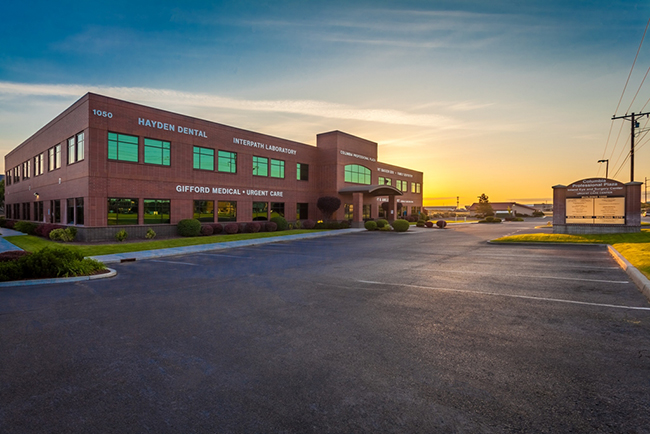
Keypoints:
(372, 190)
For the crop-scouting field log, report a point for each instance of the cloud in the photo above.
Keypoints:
(321, 109)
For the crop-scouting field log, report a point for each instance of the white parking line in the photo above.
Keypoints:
(440, 270)
(173, 262)
(527, 297)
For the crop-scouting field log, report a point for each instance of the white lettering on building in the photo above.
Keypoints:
(392, 172)
(264, 146)
(227, 191)
(171, 127)
(361, 157)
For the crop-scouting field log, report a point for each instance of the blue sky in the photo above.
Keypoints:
(505, 98)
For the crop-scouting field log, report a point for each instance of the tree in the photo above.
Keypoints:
(328, 205)
(484, 208)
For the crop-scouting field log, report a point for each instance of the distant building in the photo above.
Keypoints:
(505, 206)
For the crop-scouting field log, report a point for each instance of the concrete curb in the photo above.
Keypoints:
(33, 282)
(635, 275)
(175, 251)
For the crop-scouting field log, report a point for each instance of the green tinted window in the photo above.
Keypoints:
(204, 210)
(157, 152)
(122, 147)
(357, 174)
(260, 166)
(203, 158)
(277, 169)
(227, 162)
(121, 211)
(156, 211)
(227, 211)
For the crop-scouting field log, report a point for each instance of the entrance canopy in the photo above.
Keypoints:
(372, 190)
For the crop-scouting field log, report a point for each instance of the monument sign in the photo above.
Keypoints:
(597, 205)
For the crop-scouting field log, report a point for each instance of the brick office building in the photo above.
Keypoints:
(106, 164)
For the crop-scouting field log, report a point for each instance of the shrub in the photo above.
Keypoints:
(492, 220)
(49, 262)
(489, 219)
(12, 255)
(297, 224)
(65, 235)
(217, 228)
(441, 224)
(429, 224)
(231, 228)
(44, 229)
(252, 228)
(538, 214)
(241, 228)
(3, 222)
(381, 223)
(344, 225)
(28, 228)
(271, 226)
(386, 228)
(206, 230)
(9, 224)
(308, 224)
(121, 235)
(328, 205)
(420, 223)
(371, 225)
(281, 222)
(189, 228)
(151, 234)
(401, 225)
(412, 218)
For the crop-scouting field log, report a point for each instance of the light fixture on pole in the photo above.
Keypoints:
(606, 167)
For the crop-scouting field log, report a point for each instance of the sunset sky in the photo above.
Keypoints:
(506, 98)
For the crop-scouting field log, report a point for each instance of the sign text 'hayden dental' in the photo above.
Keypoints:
(171, 127)
(259, 145)
(225, 190)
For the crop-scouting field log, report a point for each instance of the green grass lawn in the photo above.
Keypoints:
(634, 247)
(33, 243)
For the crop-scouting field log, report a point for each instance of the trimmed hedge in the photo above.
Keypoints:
(281, 222)
(49, 262)
(28, 228)
(420, 223)
(253, 227)
(12, 255)
(217, 228)
(309, 224)
(441, 224)
(207, 230)
(381, 223)
(65, 235)
(270, 226)
(401, 225)
(189, 228)
(231, 228)
(371, 225)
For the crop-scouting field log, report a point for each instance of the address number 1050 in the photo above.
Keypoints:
(103, 114)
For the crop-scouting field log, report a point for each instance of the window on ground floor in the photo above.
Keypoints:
(38, 211)
(55, 210)
(79, 216)
(366, 212)
(26, 211)
(122, 211)
(204, 210)
(227, 211)
(260, 211)
(277, 209)
(349, 211)
(156, 211)
(302, 211)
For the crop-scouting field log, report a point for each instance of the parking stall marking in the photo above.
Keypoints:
(440, 270)
(526, 297)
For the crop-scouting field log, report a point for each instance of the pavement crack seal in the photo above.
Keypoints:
(525, 297)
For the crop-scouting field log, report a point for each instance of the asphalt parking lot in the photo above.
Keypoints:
(430, 331)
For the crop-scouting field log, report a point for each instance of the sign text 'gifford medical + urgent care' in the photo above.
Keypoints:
(228, 191)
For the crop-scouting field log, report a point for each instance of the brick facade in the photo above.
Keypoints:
(96, 178)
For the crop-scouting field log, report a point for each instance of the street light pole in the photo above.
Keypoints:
(606, 167)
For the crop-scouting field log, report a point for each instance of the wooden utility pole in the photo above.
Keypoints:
(634, 124)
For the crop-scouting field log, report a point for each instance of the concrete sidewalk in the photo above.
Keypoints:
(148, 254)
(6, 246)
